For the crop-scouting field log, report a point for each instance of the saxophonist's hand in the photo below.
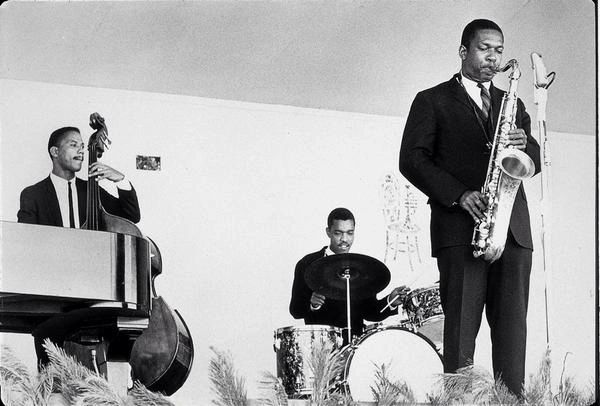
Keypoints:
(474, 203)
(517, 138)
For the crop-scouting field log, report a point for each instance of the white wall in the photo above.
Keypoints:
(355, 55)
(243, 194)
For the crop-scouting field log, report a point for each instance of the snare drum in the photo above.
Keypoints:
(293, 346)
(408, 357)
(424, 309)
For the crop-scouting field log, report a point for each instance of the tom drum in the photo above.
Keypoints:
(424, 309)
(293, 346)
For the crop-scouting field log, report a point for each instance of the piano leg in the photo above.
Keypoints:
(119, 377)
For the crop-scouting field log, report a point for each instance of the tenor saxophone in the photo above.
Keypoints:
(507, 167)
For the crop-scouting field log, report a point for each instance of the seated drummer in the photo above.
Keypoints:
(315, 308)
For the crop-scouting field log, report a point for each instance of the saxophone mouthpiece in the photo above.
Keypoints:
(510, 64)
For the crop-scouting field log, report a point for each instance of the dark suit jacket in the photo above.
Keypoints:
(333, 312)
(39, 204)
(444, 153)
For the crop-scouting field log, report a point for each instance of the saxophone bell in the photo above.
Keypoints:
(516, 163)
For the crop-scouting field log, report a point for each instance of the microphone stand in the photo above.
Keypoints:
(541, 82)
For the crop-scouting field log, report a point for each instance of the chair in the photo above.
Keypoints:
(399, 206)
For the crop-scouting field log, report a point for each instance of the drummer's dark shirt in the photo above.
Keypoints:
(333, 312)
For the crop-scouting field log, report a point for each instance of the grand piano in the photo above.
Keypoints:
(75, 285)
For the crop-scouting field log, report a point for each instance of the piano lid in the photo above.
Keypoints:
(49, 270)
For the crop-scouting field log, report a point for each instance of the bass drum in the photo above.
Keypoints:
(408, 357)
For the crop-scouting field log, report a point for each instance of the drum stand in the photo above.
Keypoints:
(346, 276)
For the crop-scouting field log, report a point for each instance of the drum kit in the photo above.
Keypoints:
(410, 351)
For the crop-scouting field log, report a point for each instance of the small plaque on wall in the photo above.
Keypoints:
(147, 163)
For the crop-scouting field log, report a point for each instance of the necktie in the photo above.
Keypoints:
(485, 101)
(71, 214)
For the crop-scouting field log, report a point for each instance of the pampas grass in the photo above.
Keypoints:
(472, 385)
(140, 395)
(539, 390)
(326, 367)
(273, 389)
(64, 379)
(226, 384)
(19, 388)
(388, 393)
(568, 394)
(78, 384)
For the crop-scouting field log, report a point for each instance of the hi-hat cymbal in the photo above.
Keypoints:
(327, 276)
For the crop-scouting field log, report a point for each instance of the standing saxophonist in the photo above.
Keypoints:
(445, 152)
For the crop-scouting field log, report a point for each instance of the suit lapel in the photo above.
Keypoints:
(460, 94)
(53, 206)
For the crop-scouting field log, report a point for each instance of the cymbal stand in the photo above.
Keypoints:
(346, 276)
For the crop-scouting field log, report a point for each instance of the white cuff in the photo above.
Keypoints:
(124, 184)
(314, 308)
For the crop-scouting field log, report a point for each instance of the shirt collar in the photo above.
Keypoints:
(57, 180)
(472, 84)
(328, 251)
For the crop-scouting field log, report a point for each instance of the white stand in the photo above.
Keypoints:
(541, 82)
(347, 277)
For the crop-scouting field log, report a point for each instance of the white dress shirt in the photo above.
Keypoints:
(328, 251)
(472, 89)
(62, 193)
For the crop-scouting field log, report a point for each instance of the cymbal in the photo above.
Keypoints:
(368, 276)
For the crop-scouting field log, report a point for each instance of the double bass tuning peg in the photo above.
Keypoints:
(103, 138)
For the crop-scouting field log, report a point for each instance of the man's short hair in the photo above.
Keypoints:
(57, 136)
(474, 26)
(340, 214)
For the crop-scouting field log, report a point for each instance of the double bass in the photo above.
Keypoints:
(161, 357)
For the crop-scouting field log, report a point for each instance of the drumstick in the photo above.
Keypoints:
(389, 303)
